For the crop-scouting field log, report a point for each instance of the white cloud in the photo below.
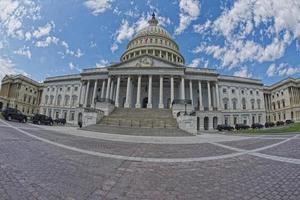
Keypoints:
(7, 67)
(189, 11)
(43, 30)
(125, 31)
(199, 62)
(195, 63)
(45, 43)
(114, 47)
(102, 63)
(12, 15)
(271, 70)
(98, 6)
(243, 72)
(282, 69)
(78, 53)
(241, 24)
(71, 65)
(24, 51)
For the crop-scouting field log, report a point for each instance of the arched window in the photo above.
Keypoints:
(46, 99)
(278, 104)
(234, 102)
(74, 100)
(258, 104)
(51, 99)
(252, 104)
(59, 100)
(225, 103)
(67, 100)
(244, 104)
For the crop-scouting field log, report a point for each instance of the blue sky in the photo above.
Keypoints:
(257, 39)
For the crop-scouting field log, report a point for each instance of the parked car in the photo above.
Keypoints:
(288, 121)
(42, 119)
(14, 114)
(60, 121)
(269, 124)
(257, 125)
(241, 126)
(226, 127)
(279, 123)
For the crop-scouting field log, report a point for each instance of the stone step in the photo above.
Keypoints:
(171, 132)
(137, 113)
(147, 118)
(149, 123)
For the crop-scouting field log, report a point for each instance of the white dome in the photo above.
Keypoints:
(153, 40)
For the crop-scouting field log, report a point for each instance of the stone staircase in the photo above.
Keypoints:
(141, 118)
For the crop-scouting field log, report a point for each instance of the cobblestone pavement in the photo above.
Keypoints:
(34, 169)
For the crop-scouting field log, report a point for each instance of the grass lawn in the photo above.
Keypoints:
(292, 128)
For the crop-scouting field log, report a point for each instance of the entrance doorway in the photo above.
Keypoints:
(206, 123)
(1, 106)
(145, 102)
(198, 123)
(215, 122)
(79, 117)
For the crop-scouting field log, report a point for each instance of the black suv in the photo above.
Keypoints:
(42, 119)
(241, 126)
(60, 121)
(279, 123)
(14, 114)
(289, 121)
(257, 125)
(226, 127)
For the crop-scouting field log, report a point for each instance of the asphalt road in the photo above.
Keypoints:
(42, 164)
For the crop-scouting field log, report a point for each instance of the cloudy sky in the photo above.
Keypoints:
(248, 38)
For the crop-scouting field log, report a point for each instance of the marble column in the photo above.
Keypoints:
(108, 88)
(94, 93)
(138, 93)
(87, 94)
(149, 105)
(80, 94)
(127, 103)
(111, 93)
(209, 96)
(182, 89)
(103, 88)
(200, 96)
(117, 104)
(217, 96)
(172, 90)
(161, 92)
(191, 92)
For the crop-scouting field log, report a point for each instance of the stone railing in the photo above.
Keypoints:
(105, 100)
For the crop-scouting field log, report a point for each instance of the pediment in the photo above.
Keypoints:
(147, 61)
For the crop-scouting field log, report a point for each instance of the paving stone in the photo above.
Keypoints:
(31, 169)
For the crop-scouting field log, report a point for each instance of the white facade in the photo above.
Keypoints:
(151, 74)
(61, 96)
(283, 100)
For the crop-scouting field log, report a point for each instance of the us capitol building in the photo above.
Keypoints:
(152, 77)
